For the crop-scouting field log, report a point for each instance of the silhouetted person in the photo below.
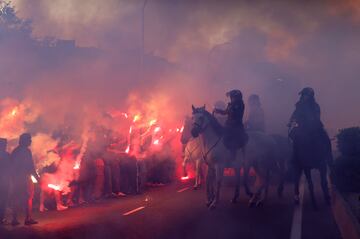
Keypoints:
(255, 118)
(312, 146)
(234, 136)
(23, 188)
(307, 112)
(4, 178)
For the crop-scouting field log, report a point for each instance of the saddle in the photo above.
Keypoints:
(235, 138)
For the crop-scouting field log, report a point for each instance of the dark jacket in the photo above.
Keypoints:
(235, 113)
(22, 164)
(307, 115)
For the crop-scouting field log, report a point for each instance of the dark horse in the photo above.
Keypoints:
(311, 151)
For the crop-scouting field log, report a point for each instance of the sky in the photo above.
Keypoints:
(195, 51)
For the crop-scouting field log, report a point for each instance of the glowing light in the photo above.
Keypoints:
(125, 115)
(136, 118)
(55, 187)
(177, 130)
(182, 129)
(152, 122)
(127, 150)
(77, 166)
(157, 129)
(185, 178)
(130, 130)
(14, 111)
(156, 142)
(33, 179)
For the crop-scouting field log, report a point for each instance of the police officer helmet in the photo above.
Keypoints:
(307, 91)
(234, 94)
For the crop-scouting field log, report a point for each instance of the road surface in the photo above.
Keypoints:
(177, 211)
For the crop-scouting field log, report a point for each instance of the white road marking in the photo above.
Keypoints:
(133, 211)
(182, 190)
(296, 226)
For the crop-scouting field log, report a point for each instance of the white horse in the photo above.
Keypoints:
(192, 153)
(259, 154)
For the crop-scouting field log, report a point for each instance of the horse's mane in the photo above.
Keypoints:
(218, 128)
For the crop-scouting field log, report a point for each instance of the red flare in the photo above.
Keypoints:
(55, 187)
(33, 179)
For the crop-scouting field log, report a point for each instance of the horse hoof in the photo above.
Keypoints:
(208, 203)
(259, 204)
(195, 188)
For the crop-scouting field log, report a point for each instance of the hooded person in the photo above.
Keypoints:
(255, 120)
(4, 178)
(23, 168)
(235, 136)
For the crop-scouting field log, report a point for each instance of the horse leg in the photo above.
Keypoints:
(324, 185)
(262, 185)
(307, 172)
(246, 178)
(184, 166)
(210, 185)
(297, 176)
(280, 189)
(219, 173)
(197, 174)
(258, 188)
(266, 184)
(237, 185)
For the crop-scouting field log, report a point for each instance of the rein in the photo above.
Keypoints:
(193, 150)
(211, 148)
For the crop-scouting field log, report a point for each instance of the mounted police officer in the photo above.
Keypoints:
(311, 144)
(234, 135)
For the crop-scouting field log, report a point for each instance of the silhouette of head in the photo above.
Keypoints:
(25, 140)
(234, 95)
(307, 94)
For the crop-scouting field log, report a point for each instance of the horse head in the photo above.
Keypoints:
(200, 121)
(186, 133)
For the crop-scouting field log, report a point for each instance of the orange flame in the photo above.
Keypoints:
(152, 122)
(136, 118)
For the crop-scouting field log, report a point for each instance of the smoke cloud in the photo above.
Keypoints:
(195, 51)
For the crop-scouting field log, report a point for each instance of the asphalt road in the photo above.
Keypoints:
(176, 211)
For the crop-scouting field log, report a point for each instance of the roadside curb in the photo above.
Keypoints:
(344, 217)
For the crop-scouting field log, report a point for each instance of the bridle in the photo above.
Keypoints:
(201, 128)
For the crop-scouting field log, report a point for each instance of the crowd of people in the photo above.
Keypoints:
(61, 184)
(98, 173)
